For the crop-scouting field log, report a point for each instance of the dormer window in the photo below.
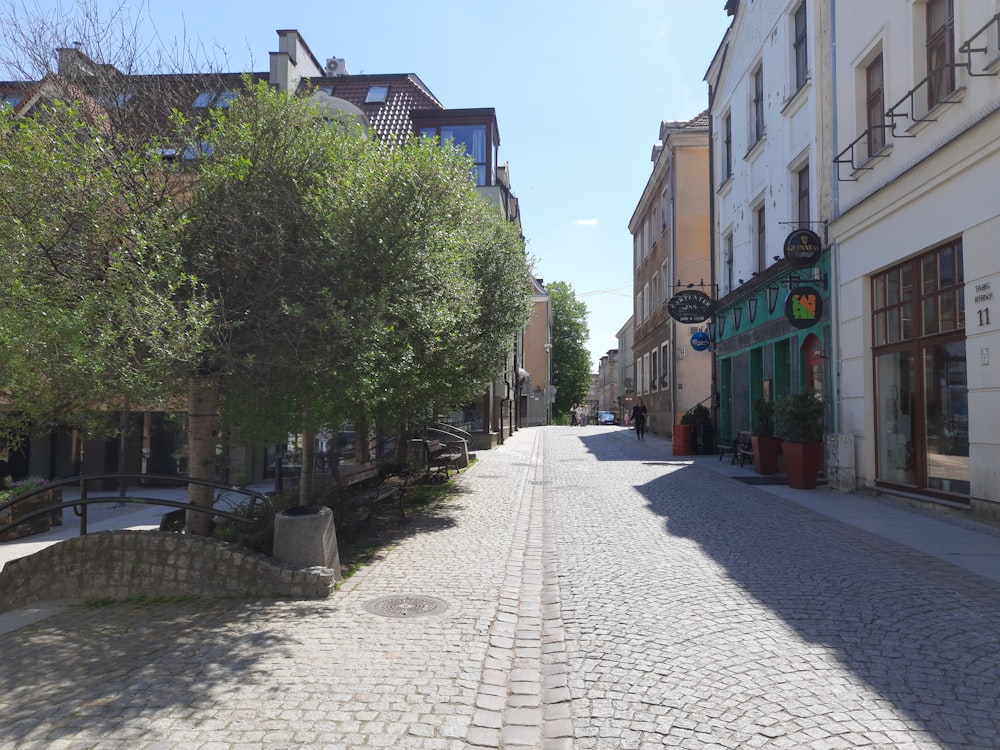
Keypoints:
(10, 100)
(377, 95)
(470, 139)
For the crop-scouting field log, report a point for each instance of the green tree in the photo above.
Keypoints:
(570, 357)
(95, 306)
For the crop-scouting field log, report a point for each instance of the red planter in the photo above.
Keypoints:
(802, 462)
(683, 439)
(765, 454)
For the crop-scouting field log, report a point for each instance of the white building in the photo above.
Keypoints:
(769, 101)
(917, 154)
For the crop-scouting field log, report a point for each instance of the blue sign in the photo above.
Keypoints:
(700, 341)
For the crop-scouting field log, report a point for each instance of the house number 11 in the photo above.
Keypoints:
(984, 293)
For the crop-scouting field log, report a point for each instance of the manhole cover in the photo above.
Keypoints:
(406, 606)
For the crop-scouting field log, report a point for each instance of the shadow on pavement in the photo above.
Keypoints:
(921, 633)
(94, 669)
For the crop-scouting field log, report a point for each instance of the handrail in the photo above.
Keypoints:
(967, 49)
(456, 431)
(80, 505)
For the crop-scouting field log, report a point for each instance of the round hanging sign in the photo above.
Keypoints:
(803, 307)
(700, 341)
(690, 306)
(802, 248)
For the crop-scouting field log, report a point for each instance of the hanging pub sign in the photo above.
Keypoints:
(804, 307)
(802, 248)
(690, 306)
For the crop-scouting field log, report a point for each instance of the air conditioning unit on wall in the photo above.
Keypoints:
(336, 66)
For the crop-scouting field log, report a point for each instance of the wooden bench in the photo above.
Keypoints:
(441, 456)
(740, 446)
(366, 489)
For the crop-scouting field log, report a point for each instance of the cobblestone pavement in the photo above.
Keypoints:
(599, 595)
(704, 614)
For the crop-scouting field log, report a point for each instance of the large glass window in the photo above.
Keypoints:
(727, 147)
(802, 180)
(920, 377)
(468, 138)
(760, 225)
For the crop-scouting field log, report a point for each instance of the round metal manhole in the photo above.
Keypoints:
(406, 606)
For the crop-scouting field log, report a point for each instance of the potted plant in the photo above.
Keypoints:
(800, 425)
(11, 489)
(700, 418)
(766, 446)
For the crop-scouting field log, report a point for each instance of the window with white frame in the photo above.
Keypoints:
(800, 48)
(665, 369)
(875, 105)
(802, 196)
(728, 260)
(727, 146)
(654, 373)
(940, 46)
(760, 236)
(757, 103)
(645, 301)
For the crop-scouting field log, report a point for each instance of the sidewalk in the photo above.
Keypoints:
(934, 530)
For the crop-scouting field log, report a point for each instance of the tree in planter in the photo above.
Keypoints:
(765, 445)
(800, 425)
(700, 418)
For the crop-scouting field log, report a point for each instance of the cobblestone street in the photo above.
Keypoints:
(596, 593)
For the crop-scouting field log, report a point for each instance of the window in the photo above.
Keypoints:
(377, 95)
(940, 50)
(921, 400)
(758, 104)
(10, 100)
(468, 138)
(727, 146)
(800, 48)
(727, 250)
(664, 359)
(759, 218)
(208, 99)
(875, 105)
(802, 213)
(654, 373)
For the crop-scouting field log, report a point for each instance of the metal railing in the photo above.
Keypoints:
(255, 512)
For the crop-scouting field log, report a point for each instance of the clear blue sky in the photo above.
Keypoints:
(579, 86)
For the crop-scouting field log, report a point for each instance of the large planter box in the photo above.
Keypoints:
(683, 440)
(766, 450)
(802, 462)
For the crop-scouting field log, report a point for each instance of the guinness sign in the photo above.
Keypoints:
(690, 306)
(802, 248)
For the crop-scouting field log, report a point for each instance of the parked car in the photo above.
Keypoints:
(606, 417)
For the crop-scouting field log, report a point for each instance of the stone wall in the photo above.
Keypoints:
(121, 564)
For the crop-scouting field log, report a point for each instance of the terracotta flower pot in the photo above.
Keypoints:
(765, 454)
(802, 462)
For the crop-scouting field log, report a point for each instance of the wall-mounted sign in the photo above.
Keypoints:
(700, 341)
(804, 307)
(690, 306)
(802, 248)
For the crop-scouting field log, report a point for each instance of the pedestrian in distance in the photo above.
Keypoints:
(572, 416)
(638, 418)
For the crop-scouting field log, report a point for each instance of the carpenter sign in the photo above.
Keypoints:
(690, 306)
(804, 307)
(802, 248)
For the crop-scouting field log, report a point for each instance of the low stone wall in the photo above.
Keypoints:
(121, 564)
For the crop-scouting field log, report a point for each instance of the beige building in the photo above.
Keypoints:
(670, 229)
(536, 390)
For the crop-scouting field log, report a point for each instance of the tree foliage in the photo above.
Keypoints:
(95, 306)
(570, 357)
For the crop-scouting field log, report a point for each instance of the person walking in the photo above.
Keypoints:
(638, 418)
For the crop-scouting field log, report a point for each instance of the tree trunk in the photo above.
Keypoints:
(203, 429)
(308, 464)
